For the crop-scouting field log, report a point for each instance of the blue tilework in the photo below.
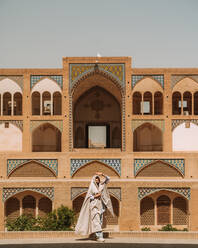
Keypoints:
(177, 163)
(12, 164)
(143, 192)
(116, 71)
(77, 163)
(35, 78)
(158, 78)
(9, 192)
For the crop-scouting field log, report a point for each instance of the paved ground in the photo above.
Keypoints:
(109, 243)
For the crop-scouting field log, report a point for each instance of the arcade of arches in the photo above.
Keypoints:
(164, 208)
(27, 203)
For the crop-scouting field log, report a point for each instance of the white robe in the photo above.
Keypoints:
(90, 213)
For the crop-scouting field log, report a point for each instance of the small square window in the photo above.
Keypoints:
(145, 107)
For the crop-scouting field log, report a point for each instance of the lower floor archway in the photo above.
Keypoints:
(162, 208)
(108, 220)
(28, 203)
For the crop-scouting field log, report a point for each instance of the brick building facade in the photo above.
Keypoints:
(59, 126)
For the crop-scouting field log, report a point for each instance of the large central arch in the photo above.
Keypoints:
(97, 114)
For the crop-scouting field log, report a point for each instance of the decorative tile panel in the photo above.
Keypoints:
(176, 123)
(35, 124)
(137, 78)
(17, 79)
(176, 78)
(34, 79)
(9, 192)
(143, 192)
(116, 71)
(76, 191)
(158, 123)
(78, 163)
(179, 164)
(12, 164)
(18, 124)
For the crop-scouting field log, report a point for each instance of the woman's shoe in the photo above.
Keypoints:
(101, 240)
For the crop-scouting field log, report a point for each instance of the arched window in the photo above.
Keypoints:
(147, 216)
(57, 103)
(17, 104)
(46, 103)
(147, 103)
(163, 210)
(179, 211)
(46, 138)
(12, 208)
(158, 103)
(29, 205)
(176, 103)
(44, 206)
(7, 104)
(137, 99)
(36, 104)
(187, 103)
(196, 103)
(147, 137)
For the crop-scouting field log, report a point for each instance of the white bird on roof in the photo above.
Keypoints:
(99, 55)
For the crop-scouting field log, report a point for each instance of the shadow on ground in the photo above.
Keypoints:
(98, 245)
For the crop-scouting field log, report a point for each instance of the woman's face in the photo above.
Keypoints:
(97, 180)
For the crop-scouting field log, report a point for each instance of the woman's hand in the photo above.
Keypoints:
(98, 195)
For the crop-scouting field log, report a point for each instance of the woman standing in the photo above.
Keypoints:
(96, 201)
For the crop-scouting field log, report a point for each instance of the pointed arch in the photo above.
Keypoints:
(10, 137)
(148, 84)
(45, 138)
(89, 169)
(97, 108)
(8, 85)
(185, 84)
(94, 72)
(159, 168)
(32, 168)
(46, 83)
(147, 137)
(108, 219)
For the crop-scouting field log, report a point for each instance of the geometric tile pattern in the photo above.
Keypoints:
(76, 191)
(12, 164)
(143, 192)
(18, 124)
(116, 71)
(36, 78)
(176, 78)
(176, 123)
(17, 79)
(113, 163)
(158, 123)
(178, 164)
(158, 78)
(35, 124)
(47, 191)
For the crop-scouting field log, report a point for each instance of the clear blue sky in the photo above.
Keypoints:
(155, 33)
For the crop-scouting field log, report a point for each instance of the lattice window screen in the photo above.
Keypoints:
(179, 211)
(163, 210)
(147, 211)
